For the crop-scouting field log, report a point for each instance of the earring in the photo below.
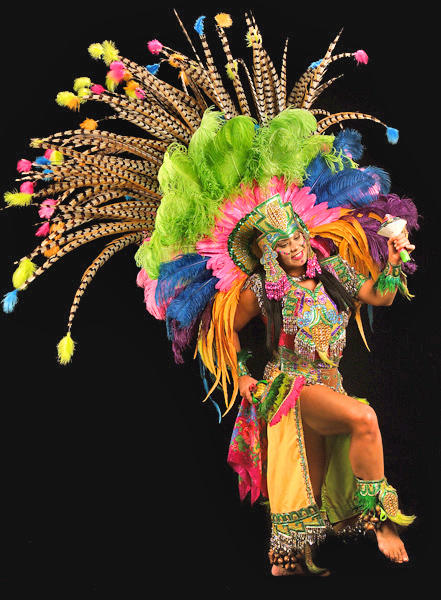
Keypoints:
(276, 281)
(312, 266)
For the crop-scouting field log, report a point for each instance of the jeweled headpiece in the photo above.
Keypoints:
(278, 220)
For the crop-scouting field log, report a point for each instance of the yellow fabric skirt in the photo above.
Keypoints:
(296, 518)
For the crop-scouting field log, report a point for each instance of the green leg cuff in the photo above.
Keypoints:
(380, 500)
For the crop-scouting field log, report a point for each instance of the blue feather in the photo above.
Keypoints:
(199, 25)
(392, 135)
(354, 187)
(10, 301)
(153, 69)
(349, 141)
(317, 173)
(42, 161)
(192, 300)
(178, 273)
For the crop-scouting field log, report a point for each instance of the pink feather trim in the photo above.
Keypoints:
(361, 57)
(43, 230)
(24, 166)
(47, 208)
(154, 46)
(27, 187)
(117, 65)
(290, 401)
(149, 285)
(97, 89)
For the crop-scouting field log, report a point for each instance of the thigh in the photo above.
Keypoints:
(327, 412)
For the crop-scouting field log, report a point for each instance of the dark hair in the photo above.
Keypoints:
(273, 308)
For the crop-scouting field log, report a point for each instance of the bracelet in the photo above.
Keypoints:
(392, 279)
(242, 357)
(393, 270)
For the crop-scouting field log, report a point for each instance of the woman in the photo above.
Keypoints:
(325, 408)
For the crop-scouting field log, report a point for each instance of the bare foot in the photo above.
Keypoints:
(390, 543)
(280, 571)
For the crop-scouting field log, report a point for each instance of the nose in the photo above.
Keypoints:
(295, 245)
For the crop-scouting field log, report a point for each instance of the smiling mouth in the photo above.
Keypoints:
(297, 256)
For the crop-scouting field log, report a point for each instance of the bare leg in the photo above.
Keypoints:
(325, 412)
(330, 413)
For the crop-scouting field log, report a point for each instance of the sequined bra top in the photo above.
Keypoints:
(312, 326)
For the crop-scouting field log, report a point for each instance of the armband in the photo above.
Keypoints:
(391, 280)
(242, 357)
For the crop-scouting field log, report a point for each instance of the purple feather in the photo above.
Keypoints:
(391, 204)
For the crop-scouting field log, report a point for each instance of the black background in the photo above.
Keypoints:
(113, 472)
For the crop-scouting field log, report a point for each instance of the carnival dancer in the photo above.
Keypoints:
(241, 202)
(323, 434)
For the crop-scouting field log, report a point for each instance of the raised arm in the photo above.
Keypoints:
(369, 293)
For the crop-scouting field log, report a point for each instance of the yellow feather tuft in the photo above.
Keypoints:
(65, 348)
(25, 269)
(82, 82)
(110, 52)
(56, 157)
(18, 199)
(68, 99)
(96, 51)
(224, 20)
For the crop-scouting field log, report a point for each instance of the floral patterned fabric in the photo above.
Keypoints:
(248, 452)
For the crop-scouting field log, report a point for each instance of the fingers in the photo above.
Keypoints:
(247, 385)
(401, 242)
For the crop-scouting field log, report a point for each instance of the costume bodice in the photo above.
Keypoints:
(314, 332)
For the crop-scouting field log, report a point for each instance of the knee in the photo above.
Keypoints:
(365, 421)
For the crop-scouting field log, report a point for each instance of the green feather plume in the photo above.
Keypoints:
(286, 146)
(228, 153)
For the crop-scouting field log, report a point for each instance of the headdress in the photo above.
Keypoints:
(277, 220)
(189, 189)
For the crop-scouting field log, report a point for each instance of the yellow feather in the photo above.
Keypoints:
(65, 347)
(25, 269)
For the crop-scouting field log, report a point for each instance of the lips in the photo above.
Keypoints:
(297, 256)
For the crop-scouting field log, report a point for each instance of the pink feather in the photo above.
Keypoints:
(47, 208)
(117, 65)
(27, 187)
(24, 166)
(154, 46)
(361, 57)
(97, 89)
(149, 285)
(43, 230)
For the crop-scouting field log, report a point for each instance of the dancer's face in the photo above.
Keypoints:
(292, 251)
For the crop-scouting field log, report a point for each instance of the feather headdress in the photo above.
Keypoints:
(183, 189)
